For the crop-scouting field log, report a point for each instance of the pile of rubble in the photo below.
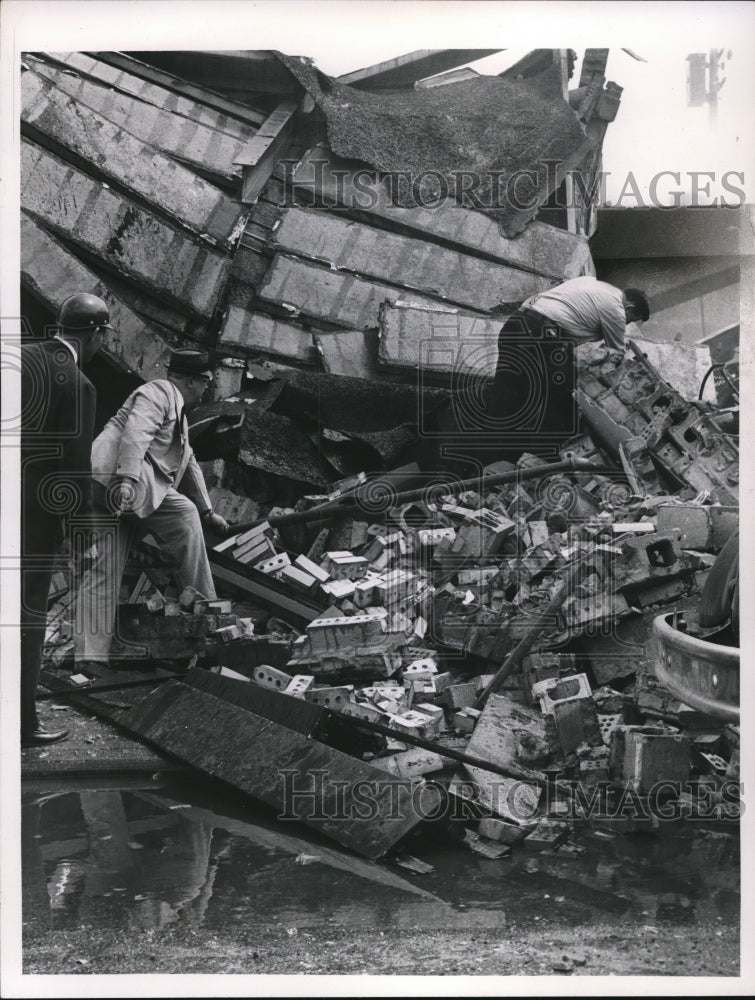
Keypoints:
(505, 625)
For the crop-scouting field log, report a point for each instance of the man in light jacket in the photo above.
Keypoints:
(144, 470)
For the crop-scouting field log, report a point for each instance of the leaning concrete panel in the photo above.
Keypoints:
(248, 332)
(328, 296)
(152, 93)
(400, 260)
(352, 802)
(348, 352)
(438, 341)
(127, 161)
(120, 232)
(539, 248)
(511, 736)
(53, 274)
(193, 142)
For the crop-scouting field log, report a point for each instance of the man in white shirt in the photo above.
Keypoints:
(587, 309)
(530, 404)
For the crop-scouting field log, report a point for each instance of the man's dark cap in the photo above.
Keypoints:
(188, 362)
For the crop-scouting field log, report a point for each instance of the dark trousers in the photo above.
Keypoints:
(530, 404)
(40, 542)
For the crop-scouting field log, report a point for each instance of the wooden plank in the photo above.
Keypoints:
(428, 340)
(318, 293)
(539, 248)
(270, 762)
(459, 278)
(125, 160)
(51, 273)
(121, 76)
(119, 232)
(201, 95)
(261, 154)
(404, 71)
(190, 141)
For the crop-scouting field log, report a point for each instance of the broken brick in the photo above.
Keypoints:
(641, 757)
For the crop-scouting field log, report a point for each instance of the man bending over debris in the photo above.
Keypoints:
(530, 405)
(139, 462)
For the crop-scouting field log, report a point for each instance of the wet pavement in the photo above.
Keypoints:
(148, 853)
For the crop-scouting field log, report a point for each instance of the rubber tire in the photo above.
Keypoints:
(720, 596)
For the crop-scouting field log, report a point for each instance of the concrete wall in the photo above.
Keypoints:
(690, 298)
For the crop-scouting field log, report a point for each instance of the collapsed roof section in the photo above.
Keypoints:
(247, 203)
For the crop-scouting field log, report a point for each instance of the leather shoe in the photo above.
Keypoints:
(41, 737)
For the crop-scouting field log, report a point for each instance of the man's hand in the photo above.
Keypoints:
(215, 523)
(80, 557)
(88, 556)
(123, 493)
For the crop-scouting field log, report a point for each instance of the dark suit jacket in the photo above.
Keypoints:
(57, 426)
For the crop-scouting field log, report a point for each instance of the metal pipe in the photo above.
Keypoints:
(342, 506)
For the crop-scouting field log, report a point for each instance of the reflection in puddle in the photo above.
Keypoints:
(141, 859)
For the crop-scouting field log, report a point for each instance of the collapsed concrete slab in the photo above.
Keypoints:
(50, 272)
(295, 774)
(199, 144)
(436, 341)
(120, 233)
(416, 265)
(50, 114)
(327, 180)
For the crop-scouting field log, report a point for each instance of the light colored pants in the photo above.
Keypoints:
(177, 528)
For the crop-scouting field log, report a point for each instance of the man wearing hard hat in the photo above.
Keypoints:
(57, 426)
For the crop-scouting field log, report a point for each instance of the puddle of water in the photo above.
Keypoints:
(147, 858)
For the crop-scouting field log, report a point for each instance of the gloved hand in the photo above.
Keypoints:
(215, 523)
